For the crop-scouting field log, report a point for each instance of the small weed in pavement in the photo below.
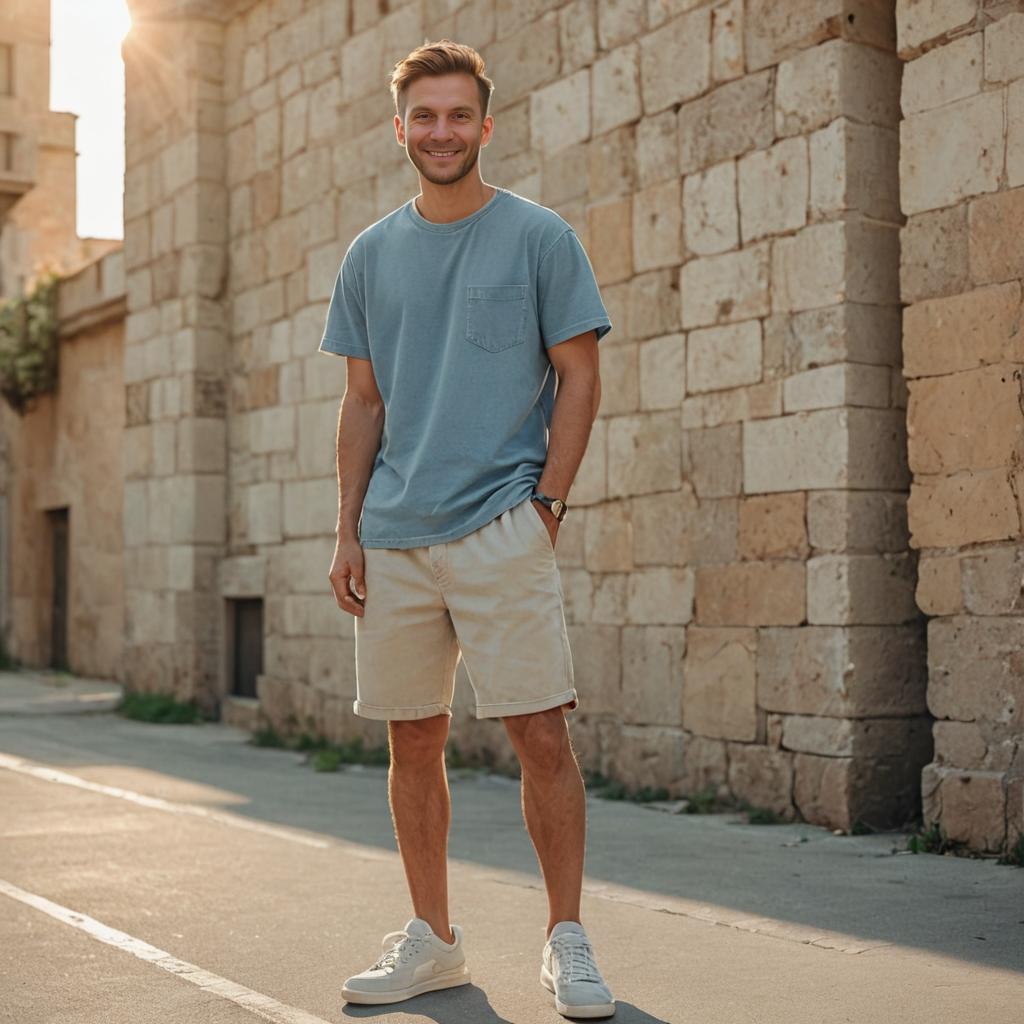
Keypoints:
(611, 789)
(160, 708)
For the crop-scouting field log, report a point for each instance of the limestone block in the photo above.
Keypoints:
(263, 513)
(272, 430)
(939, 585)
(201, 214)
(611, 164)
(591, 483)
(660, 596)
(974, 666)
(774, 31)
(313, 615)
(137, 451)
(994, 249)
(241, 576)
(1015, 134)
(653, 304)
(773, 526)
(723, 357)
(564, 175)
(846, 589)
(711, 211)
(974, 508)
(597, 667)
(970, 132)
(842, 671)
(647, 755)
(202, 445)
(610, 599)
(921, 21)
(959, 745)
(854, 166)
(610, 228)
(726, 288)
(1004, 48)
(621, 364)
(947, 73)
(652, 675)
(864, 521)
(578, 595)
(524, 60)
(941, 409)
(706, 764)
(161, 497)
(164, 449)
(773, 189)
(970, 807)
(751, 594)
(305, 177)
(727, 41)
(659, 524)
(135, 509)
(560, 112)
(713, 461)
(720, 690)
(710, 537)
(619, 21)
(616, 89)
(657, 227)
(662, 372)
(762, 776)
(838, 384)
(322, 265)
(933, 249)
(199, 512)
(577, 32)
(825, 448)
(268, 139)
(643, 453)
(318, 427)
(730, 120)
(834, 79)
(866, 737)
(675, 60)
(993, 581)
(734, 405)
(657, 149)
(329, 659)
(608, 538)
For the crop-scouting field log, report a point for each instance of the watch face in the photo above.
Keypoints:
(558, 508)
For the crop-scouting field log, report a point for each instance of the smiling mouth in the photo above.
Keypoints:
(441, 153)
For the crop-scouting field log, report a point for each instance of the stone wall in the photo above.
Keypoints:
(65, 453)
(962, 188)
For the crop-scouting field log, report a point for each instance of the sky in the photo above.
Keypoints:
(87, 78)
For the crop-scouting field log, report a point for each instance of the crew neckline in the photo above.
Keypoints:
(454, 225)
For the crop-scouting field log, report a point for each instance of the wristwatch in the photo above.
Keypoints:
(556, 505)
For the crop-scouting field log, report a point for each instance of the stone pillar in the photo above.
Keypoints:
(176, 348)
(962, 189)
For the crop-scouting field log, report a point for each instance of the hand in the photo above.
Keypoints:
(347, 577)
(550, 521)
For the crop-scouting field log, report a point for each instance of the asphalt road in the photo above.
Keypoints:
(179, 874)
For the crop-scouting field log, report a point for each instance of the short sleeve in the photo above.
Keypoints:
(345, 331)
(568, 298)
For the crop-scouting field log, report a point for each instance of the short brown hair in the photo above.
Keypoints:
(440, 58)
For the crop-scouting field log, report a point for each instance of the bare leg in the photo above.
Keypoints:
(421, 809)
(554, 807)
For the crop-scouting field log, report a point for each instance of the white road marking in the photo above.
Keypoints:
(263, 1006)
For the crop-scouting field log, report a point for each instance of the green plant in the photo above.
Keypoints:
(613, 789)
(158, 707)
(930, 840)
(28, 345)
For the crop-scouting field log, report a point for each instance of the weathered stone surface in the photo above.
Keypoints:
(1015, 134)
(616, 89)
(751, 594)
(976, 669)
(657, 227)
(657, 149)
(723, 357)
(970, 807)
(659, 523)
(773, 526)
(854, 166)
(762, 776)
(918, 24)
(662, 372)
(962, 332)
(560, 112)
(842, 671)
(934, 254)
(660, 596)
(865, 521)
(653, 304)
(773, 189)
(939, 406)
(861, 589)
(675, 61)
(644, 454)
(730, 120)
(720, 684)
(947, 73)
(652, 673)
(969, 508)
(726, 288)
(710, 209)
(970, 131)
(610, 227)
(647, 755)
(939, 585)
(838, 384)
(993, 581)
(866, 737)
(994, 249)
(608, 538)
(713, 461)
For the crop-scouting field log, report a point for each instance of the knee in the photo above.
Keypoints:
(417, 742)
(541, 741)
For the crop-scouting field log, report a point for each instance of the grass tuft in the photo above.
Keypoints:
(160, 708)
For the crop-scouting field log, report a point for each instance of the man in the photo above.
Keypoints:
(456, 312)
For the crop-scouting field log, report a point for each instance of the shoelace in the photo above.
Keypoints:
(400, 943)
(575, 958)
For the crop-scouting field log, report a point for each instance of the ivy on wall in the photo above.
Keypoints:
(28, 345)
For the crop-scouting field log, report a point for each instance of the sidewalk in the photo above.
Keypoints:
(249, 864)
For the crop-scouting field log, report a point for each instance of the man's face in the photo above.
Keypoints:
(443, 130)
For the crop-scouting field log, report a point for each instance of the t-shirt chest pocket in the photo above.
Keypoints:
(496, 316)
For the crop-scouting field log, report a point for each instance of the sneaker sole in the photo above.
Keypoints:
(589, 1010)
(450, 979)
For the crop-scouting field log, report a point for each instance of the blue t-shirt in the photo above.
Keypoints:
(456, 320)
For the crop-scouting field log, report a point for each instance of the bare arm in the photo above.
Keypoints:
(576, 404)
(360, 424)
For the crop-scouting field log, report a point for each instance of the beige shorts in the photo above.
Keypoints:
(493, 597)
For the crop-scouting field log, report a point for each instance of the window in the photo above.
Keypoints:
(6, 69)
(248, 645)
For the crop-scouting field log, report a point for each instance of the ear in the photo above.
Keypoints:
(487, 128)
(399, 130)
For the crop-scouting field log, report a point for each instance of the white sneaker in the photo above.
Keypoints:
(414, 960)
(568, 969)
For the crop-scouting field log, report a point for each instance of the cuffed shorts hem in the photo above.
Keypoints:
(527, 707)
(399, 714)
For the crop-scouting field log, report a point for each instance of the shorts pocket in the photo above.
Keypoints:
(532, 512)
(496, 316)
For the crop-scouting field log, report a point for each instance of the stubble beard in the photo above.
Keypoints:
(460, 172)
